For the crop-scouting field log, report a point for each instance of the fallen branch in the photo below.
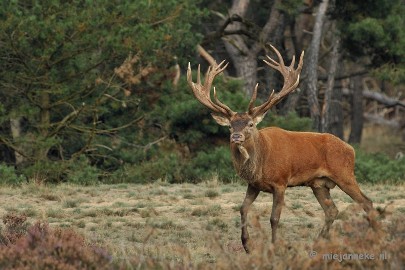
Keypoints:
(204, 54)
(380, 120)
(344, 76)
(379, 97)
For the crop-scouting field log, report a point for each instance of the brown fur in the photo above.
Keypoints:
(273, 159)
(279, 159)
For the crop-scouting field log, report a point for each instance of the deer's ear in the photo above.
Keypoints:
(259, 118)
(221, 120)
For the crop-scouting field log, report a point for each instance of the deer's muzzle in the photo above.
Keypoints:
(237, 138)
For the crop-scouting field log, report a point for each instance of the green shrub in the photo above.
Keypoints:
(378, 167)
(9, 176)
(45, 171)
(82, 172)
(77, 171)
(216, 161)
(166, 167)
(289, 122)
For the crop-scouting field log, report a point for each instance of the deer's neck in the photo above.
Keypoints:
(246, 158)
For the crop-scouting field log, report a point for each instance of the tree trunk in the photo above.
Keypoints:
(357, 110)
(300, 32)
(44, 124)
(15, 127)
(244, 58)
(312, 66)
(246, 68)
(245, 64)
(273, 78)
(327, 112)
(336, 114)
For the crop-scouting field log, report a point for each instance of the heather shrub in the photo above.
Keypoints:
(15, 227)
(41, 247)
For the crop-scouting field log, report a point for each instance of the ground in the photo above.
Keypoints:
(178, 221)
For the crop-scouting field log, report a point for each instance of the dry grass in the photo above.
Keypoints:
(192, 224)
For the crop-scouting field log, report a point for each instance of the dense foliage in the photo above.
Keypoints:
(65, 90)
(375, 29)
(378, 167)
(91, 90)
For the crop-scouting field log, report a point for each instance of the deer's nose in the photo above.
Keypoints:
(237, 137)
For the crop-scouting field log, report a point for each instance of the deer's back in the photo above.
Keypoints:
(296, 157)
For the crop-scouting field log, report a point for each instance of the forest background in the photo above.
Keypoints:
(95, 91)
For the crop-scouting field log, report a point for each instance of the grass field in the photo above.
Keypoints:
(185, 222)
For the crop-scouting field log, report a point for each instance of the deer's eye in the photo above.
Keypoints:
(251, 124)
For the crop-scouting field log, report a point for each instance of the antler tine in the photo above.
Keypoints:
(212, 72)
(253, 98)
(217, 69)
(292, 62)
(198, 75)
(189, 72)
(190, 76)
(291, 80)
(202, 92)
(301, 62)
(220, 103)
(276, 65)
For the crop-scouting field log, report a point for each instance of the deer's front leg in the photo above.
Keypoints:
(251, 195)
(278, 203)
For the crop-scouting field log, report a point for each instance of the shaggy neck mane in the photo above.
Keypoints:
(246, 157)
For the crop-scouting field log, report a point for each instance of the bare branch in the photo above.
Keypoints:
(148, 145)
(379, 97)
(104, 131)
(206, 55)
(380, 120)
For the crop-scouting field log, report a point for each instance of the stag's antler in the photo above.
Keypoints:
(203, 92)
(291, 80)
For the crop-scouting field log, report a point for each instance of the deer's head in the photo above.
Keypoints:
(243, 125)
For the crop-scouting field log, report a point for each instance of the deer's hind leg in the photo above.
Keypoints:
(352, 189)
(321, 190)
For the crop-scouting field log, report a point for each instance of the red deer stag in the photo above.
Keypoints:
(272, 159)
